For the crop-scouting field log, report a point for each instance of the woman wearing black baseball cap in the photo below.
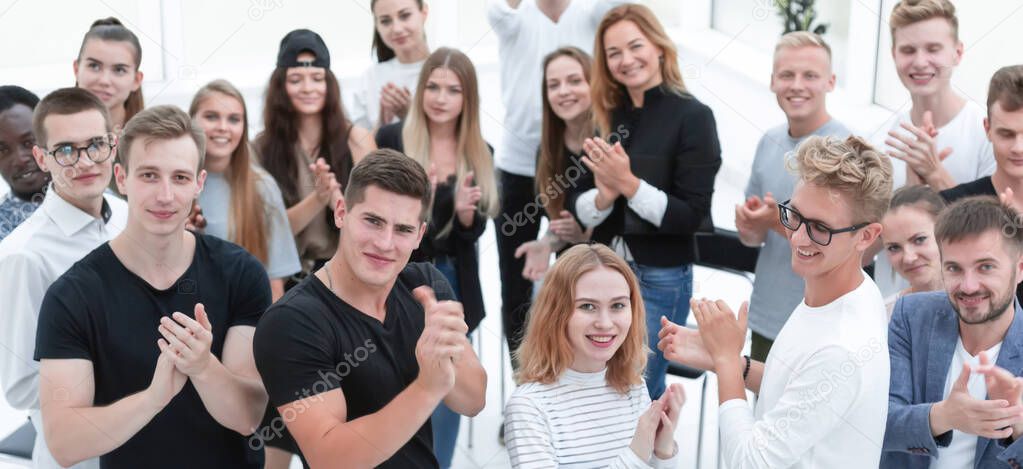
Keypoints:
(305, 123)
(309, 146)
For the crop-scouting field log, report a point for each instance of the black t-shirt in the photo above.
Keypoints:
(311, 342)
(982, 186)
(102, 312)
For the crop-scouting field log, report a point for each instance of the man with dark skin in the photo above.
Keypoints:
(18, 168)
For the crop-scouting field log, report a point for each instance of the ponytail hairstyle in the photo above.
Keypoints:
(111, 29)
(247, 223)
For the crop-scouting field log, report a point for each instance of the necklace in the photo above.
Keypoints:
(330, 281)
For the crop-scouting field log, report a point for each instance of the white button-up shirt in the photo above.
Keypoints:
(32, 257)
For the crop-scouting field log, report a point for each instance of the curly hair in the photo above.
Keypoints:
(850, 166)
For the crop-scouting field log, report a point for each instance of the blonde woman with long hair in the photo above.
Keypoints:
(654, 165)
(241, 201)
(442, 133)
(581, 366)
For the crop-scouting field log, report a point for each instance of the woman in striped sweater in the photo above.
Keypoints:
(581, 400)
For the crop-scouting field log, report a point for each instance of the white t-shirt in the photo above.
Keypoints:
(525, 35)
(364, 108)
(961, 452)
(972, 158)
(824, 394)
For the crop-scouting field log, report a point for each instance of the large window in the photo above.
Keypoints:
(990, 33)
(41, 40)
(758, 24)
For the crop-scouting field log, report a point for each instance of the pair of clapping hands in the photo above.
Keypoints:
(919, 150)
(185, 352)
(721, 337)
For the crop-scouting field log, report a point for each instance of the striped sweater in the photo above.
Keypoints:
(577, 422)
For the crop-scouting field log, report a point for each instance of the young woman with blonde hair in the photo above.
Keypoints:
(580, 365)
(442, 133)
(240, 201)
(654, 165)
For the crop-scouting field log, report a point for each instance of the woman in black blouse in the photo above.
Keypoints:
(654, 166)
(442, 132)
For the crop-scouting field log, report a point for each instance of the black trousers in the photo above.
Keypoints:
(518, 222)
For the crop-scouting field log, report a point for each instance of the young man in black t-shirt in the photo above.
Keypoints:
(356, 357)
(145, 344)
(1004, 128)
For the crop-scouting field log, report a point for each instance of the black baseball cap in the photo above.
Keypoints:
(299, 41)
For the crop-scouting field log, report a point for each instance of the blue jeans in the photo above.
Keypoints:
(666, 292)
(444, 421)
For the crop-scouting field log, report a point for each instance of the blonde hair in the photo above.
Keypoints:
(797, 39)
(546, 352)
(248, 225)
(607, 93)
(472, 152)
(908, 12)
(850, 166)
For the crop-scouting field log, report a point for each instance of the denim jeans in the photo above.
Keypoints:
(444, 421)
(666, 292)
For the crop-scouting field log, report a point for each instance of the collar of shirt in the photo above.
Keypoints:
(67, 217)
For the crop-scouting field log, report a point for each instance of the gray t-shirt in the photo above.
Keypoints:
(776, 289)
(215, 201)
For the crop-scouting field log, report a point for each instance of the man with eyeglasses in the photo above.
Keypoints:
(75, 146)
(823, 392)
(17, 166)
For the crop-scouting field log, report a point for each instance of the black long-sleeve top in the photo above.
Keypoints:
(673, 145)
(459, 243)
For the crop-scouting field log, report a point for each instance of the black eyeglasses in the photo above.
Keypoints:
(98, 150)
(818, 231)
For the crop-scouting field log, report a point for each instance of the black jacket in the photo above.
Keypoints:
(672, 144)
(460, 242)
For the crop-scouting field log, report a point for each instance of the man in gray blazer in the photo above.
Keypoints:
(949, 406)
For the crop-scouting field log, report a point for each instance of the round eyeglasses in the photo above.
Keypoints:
(98, 150)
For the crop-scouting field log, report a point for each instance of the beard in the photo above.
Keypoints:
(999, 305)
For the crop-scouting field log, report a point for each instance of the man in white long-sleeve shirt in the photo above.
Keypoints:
(75, 145)
(823, 393)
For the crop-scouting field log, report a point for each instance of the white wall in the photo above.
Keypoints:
(187, 43)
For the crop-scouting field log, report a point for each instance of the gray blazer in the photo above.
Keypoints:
(922, 338)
